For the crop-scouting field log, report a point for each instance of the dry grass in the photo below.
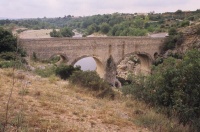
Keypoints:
(50, 104)
(39, 104)
(146, 116)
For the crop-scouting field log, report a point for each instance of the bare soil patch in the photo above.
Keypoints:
(42, 33)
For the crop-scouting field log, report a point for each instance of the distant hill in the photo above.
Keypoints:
(4, 18)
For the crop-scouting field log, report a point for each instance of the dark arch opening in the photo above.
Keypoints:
(155, 55)
(145, 62)
(58, 59)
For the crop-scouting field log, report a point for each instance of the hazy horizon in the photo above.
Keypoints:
(13, 9)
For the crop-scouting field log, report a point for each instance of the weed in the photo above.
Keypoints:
(20, 76)
(47, 72)
(53, 79)
(23, 92)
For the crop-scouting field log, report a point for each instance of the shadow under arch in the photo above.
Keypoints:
(100, 69)
(62, 58)
(145, 61)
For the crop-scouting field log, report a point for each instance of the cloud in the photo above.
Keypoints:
(56, 8)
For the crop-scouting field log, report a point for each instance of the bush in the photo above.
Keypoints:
(8, 56)
(47, 72)
(21, 52)
(174, 85)
(169, 43)
(7, 64)
(92, 81)
(67, 32)
(8, 42)
(185, 23)
(88, 79)
(172, 31)
(55, 33)
(158, 61)
(65, 71)
(173, 40)
(54, 59)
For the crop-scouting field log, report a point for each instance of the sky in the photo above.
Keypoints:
(60, 8)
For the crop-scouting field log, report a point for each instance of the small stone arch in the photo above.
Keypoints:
(63, 58)
(100, 69)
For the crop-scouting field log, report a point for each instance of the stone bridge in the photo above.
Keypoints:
(102, 49)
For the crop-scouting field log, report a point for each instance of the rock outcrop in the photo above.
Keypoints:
(130, 65)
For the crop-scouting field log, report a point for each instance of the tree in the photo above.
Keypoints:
(105, 27)
(179, 12)
(172, 31)
(8, 42)
(55, 33)
(66, 32)
(92, 28)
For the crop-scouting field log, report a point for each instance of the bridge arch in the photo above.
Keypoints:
(62, 58)
(100, 68)
(102, 48)
(145, 59)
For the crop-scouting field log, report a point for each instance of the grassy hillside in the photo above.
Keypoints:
(51, 104)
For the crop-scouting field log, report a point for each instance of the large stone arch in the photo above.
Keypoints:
(100, 67)
(138, 53)
(146, 61)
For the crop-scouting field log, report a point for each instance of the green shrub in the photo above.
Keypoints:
(34, 57)
(6, 64)
(8, 56)
(47, 72)
(92, 81)
(174, 85)
(172, 41)
(172, 31)
(55, 33)
(136, 88)
(54, 59)
(21, 52)
(158, 61)
(185, 23)
(65, 71)
(89, 79)
(8, 42)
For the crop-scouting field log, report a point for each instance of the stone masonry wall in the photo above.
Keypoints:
(100, 48)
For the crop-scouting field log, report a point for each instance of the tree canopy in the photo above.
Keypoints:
(8, 42)
(64, 32)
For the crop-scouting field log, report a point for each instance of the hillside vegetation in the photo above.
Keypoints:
(64, 98)
(51, 104)
(116, 24)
